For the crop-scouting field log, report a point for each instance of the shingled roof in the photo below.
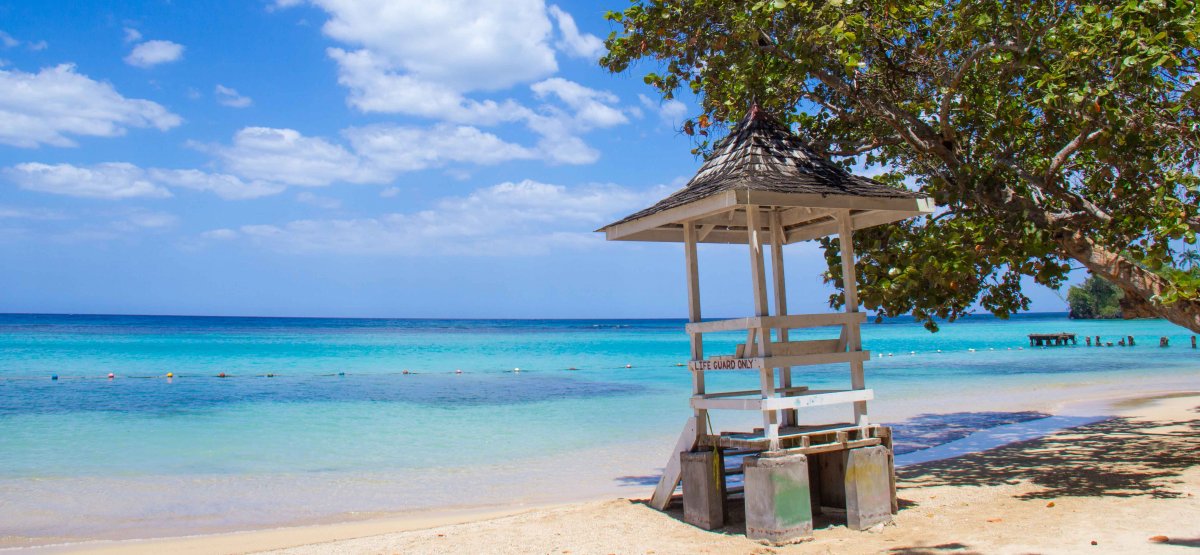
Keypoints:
(761, 155)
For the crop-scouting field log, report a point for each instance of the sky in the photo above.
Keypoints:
(359, 158)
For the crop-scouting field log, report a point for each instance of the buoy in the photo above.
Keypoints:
(939, 350)
(54, 377)
(516, 369)
(629, 366)
(221, 375)
(270, 375)
(341, 373)
(458, 371)
(971, 350)
(404, 372)
(572, 368)
(891, 355)
(110, 375)
(912, 352)
(170, 375)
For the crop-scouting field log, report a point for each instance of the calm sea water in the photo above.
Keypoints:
(324, 418)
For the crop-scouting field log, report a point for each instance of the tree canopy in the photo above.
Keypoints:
(1049, 133)
(1094, 298)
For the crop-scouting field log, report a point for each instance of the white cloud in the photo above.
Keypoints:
(132, 35)
(671, 111)
(286, 156)
(225, 186)
(145, 219)
(463, 44)
(571, 41)
(8, 41)
(46, 107)
(154, 52)
(112, 180)
(433, 59)
(222, 234)
(392, 149)
(230, 97)
(10, 213)
(390, 192)
(319, 201)
(118, 180)
(526, 218)
(38, 46)
(592, 108)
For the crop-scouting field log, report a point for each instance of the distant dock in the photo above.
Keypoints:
(1048, 339)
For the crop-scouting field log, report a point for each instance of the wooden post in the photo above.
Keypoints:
(696, 339)
(785, 378)
(759, 280)
(850, 290)
(695, 426)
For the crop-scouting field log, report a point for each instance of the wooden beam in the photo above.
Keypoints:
(811, 398)
(861, 220)
(791, 321)
(763, 363)
(768, 198)
(687, 212)
(850, 290)
(671, 473)
(788, 418)
(766, 376)
(693, 290)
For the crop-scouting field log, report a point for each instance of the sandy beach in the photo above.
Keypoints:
(1127, 484)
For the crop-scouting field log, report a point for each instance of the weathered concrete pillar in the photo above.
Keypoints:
(868, 487)
(703, 476)
(778, 500)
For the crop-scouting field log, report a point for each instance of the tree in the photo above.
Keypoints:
(1048, 132)
(1094, 298)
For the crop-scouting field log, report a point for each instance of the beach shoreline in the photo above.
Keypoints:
(309, 537)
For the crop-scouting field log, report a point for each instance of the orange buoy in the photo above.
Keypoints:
(221, 375)
(111, 376)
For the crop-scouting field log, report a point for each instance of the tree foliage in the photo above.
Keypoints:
(1096, 297)
(1047, 132)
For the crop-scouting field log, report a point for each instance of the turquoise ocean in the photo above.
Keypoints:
(322, 419)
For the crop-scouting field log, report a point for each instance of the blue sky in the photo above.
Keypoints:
(341, 158)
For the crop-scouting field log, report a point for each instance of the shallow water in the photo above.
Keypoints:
(340, 428)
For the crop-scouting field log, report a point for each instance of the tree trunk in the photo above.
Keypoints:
(1139, 284)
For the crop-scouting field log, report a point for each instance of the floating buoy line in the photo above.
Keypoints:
(170, 376)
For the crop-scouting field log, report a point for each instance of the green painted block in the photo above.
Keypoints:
(778, 499)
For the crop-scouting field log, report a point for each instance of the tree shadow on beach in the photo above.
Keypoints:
(1119, 457)
(933, 549)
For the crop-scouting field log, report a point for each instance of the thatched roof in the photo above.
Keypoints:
(762, 159)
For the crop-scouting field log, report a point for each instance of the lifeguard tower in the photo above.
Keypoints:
(763, 187)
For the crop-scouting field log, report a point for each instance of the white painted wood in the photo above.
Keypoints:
(812, 398)
(860, 220)
(693, 289)
(717, 364)
(789, 391)
(791, 321)
(768, 198)
(853, 334)
(671, 473)
(766, 375)
(810, 347)
(687, 212)
(787, 418)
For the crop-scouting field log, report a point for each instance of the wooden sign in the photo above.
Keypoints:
(726, 364)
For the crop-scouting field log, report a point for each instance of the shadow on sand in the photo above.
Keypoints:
(1118, 457)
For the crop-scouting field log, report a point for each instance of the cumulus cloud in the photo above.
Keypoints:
(114, 180)
(393, 148)
(230, 97)
(319, 201)
(120, 180)
(225, 186)
(671, 111)
(433, 60)
(132, 35)
(286, 156)
(154, 52)
(571, 41)
(49, 106)
(512, 218)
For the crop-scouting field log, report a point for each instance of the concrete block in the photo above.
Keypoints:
(703, 475)
(778, 501)
(868, 487)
